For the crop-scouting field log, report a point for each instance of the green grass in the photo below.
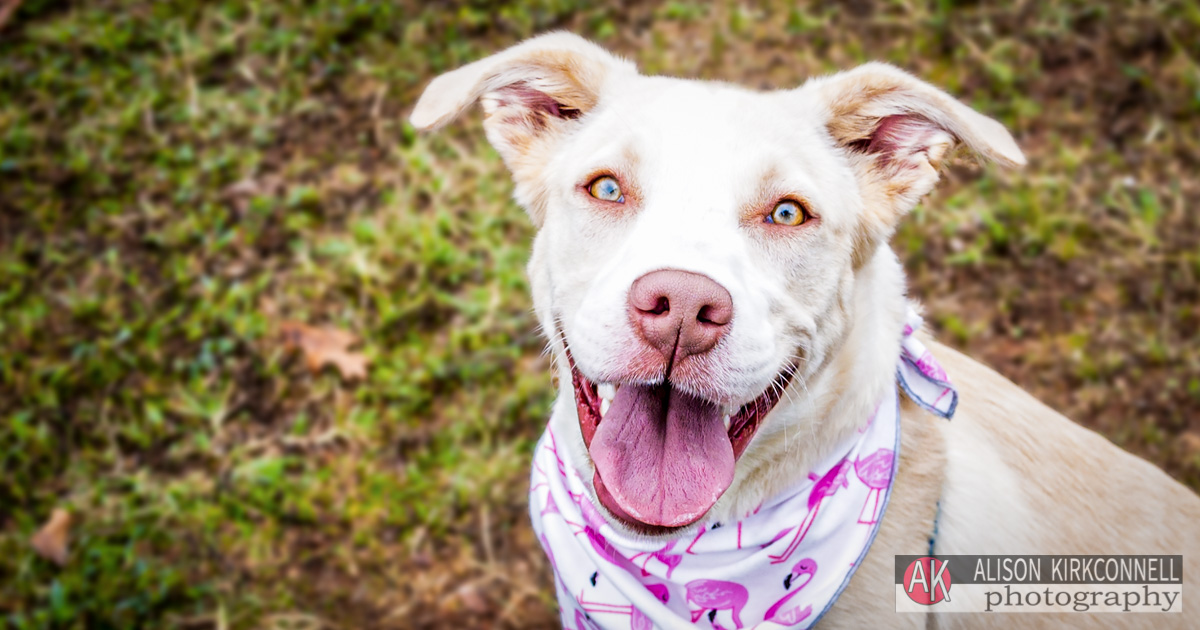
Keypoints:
(177, 178)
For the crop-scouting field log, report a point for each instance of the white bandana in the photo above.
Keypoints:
(782, 566)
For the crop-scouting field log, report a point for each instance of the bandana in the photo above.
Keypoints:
(781, 566)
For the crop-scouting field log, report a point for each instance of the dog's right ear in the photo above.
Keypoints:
(556, 76)
(531, 93)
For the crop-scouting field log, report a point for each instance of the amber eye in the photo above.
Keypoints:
(787, 212)
(606, 188)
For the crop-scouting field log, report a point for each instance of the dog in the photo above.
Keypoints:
(726, 319)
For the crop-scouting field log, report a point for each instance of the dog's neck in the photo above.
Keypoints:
(818, 413)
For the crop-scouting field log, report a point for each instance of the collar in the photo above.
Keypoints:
(782, 565)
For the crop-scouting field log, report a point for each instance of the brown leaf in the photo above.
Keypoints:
(1189, 441)
(7, 9)
(472, 599)
(325, 346)
(240, 192)
(267, 185)
(50, 542)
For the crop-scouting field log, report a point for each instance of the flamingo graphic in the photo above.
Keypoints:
(541, 476)
(825, 487)
(696, 539)
(553, 448)
(551, 505)
(794, 615)
(553, 564)
(591, 515)
(672, 560)
(700, 533)
(582, 622)
(716, 595)
(931, 368)
(601, 545)
(589, 528)
(592, 518)
(875, 470)
(778, 537)
(637, 619)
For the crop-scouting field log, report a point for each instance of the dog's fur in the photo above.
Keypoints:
(699, 164)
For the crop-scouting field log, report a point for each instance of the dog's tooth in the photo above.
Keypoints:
(726, 419)
(607, 391)
(604, 405)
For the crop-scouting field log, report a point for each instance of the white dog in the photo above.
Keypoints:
(729, 327)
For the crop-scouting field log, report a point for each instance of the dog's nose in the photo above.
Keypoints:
(680, 311)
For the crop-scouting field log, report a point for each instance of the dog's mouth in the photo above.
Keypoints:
(663, 456)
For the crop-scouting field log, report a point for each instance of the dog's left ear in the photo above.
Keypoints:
(897, 129)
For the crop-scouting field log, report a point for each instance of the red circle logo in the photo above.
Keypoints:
(927, 580)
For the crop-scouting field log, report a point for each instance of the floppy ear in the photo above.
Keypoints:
(896, 130)
(531, 93)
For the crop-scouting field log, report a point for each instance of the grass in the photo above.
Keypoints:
(178, 178)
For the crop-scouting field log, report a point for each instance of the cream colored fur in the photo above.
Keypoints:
(698, 163)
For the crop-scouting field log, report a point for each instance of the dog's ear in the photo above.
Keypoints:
(531, 93)
(897, 129)
(552, 77)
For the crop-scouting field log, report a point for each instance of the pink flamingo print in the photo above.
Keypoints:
(778, 537)
(553, 564)
(696, 540)
(551, 505)
(931, 368)
(582, 622)
(590, 527)
(715, 595)
(794, 615)
(553, 448)
(637, 619)
(591, 515)
(700, 533)
(540, 476)
(601, 545)
(875, 470)
(825, 487)
(593, 520)
(671, 560)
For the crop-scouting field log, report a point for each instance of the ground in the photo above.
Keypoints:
(178, 179)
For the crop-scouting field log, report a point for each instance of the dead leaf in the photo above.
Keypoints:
(240, 192)
(50, 542)
(325, 346)
(267, 185)
(1190, 443)
(472, 600)
(7, 9)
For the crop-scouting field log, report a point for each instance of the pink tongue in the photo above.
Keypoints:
(662, 456)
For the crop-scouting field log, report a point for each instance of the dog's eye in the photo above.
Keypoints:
(787, 212)
(606, 188)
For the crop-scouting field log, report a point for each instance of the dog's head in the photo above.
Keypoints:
(706, 252)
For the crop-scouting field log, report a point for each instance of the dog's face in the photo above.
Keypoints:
(700, 245)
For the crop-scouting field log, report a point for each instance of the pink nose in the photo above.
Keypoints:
(680, 311)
